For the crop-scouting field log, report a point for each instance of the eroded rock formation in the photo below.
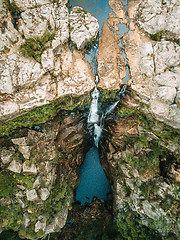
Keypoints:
(38, 175)
(48, 70)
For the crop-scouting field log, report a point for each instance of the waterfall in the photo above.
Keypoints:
(95, 122)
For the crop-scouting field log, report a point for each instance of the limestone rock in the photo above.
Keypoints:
(25, 4)
(40, 226)
(37, 183)
(20, 141)
(31, 169)
(34, 22)
(84, 27)
(47, 60)
(26, 220)
(167, 94)
(8, 34)
(167, 54)
(111, 67)
(6, 155)
(61, 22)
(8, 108)
(146, 58)
(44, 193)
(78, 77)
(31, 195)
(155, 16)
(159, 108)
(15, 166)
(169, 78)
(3, 10)
(58, 222)
(25, 151)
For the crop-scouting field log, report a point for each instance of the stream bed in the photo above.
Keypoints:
(93, 180)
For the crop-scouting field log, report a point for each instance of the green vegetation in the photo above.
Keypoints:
(10, 235)
(90, 43)
(34, 47)
(166, 35)
(108, 94)
(130, 228)
(149, 189)
(11, 6)
(154, 145)
(26, 181)
(8, 185)
(43, 114)
(99, 230)
(5, 50)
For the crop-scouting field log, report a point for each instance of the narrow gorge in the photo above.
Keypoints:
(89, 119)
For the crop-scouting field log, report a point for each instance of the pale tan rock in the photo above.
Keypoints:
(84, 27)
(40, 226)
(44, 193)
(6, 155)
(20, 141)
(58, 222)
(31, 195)
(15, 166)
(29, 168)
(111, 67)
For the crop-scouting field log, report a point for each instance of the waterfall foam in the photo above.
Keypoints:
(95, 122)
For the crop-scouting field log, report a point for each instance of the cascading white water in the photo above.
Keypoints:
(95, 122)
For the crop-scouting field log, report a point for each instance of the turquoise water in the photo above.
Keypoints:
(99, 8)
(93, 180)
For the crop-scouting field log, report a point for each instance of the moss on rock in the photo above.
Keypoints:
(34, 47)
(43, 114)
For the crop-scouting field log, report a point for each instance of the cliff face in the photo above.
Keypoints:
(142, 155)
(38, 175)
(36, 64)
(44, 74)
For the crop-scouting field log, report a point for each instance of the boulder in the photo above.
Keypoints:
(154, 16)
(83, 27)
(25, 150)
(26, 220)
(31, 195)
(20, 141)
(146, 58)
(29, 168)
(58, 222)
(44, 193)
(15, 166)
(6, 155)
(40, 226)
(169, 78)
